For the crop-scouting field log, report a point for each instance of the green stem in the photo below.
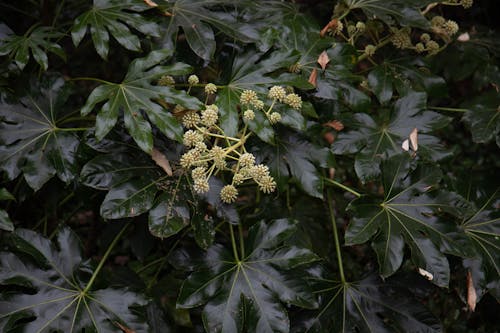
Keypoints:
(233, 242)
(439, 108)
(103, 259)
(90, 79)
(73, 129)
(342, 186)
(335, 236)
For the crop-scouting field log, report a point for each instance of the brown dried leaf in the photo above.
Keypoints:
(330, 26)
(425, 274)
(414, 139)
(151, 3)
(323, 60)
(335, 124)
(124, 328)
(329, 137)
(313, 78)
(162, 161)
(406, 145)
(471, 292)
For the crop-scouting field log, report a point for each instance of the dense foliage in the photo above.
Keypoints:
(249, 166)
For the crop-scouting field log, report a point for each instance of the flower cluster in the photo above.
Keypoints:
(210, 151)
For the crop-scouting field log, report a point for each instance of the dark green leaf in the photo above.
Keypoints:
(58, 302)
(406, 13)
(115, 17)
(376, 140)
(132, 198)
(251, 71)
(5, 221)
(38, 41)
(369, 305)
(6, 195)
(252, 286)
(197, 17)
(296, 158)
(135, 94)
(483, 117)
(407, 215)
(482, 228)
(170, 215)
(31, 140)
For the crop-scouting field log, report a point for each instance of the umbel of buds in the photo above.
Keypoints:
(210, 151)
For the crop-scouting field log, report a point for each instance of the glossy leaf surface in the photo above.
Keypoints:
(58, 301)
(136, 93)
(253, 286)
(114, 17)
(406, 215)
(32, 141)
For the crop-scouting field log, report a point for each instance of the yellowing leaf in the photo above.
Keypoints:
(323, 59)
(162, 161)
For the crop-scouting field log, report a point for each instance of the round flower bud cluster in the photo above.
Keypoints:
(166, 80)
(444, 27)
(228, 194)
(249, 115)
(274, 118)
(277, 93)
(401, 39)
(193, 79)
(293, 100)
(467, 3)
(338, 28)
(191, 119)
(432, 47)
(210, 89)
(360, 26)
(424, 38)
(210, 115)
(370, 50)
(295, 68)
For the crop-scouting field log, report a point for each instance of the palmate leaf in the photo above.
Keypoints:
(296, 158)
(369, 305)
(247, 292)
(197, 19)
(115, 17)
(407, 215)
(482, 228)
(374, 140)
(406, 13)
(252, 71)
(58, 301)
(31, 140)
(38, 42)
(483, 117)
(136, 93)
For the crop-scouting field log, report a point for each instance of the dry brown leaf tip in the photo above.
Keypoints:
(335, 124)
(332, 25)
(471, 292)
(323, 60)
(313, 78)
(151, 3)
(162, 161)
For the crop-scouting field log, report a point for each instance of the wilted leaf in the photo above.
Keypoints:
(249, 291)
(57, 300)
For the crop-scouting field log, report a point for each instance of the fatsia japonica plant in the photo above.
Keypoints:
(249, 166)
